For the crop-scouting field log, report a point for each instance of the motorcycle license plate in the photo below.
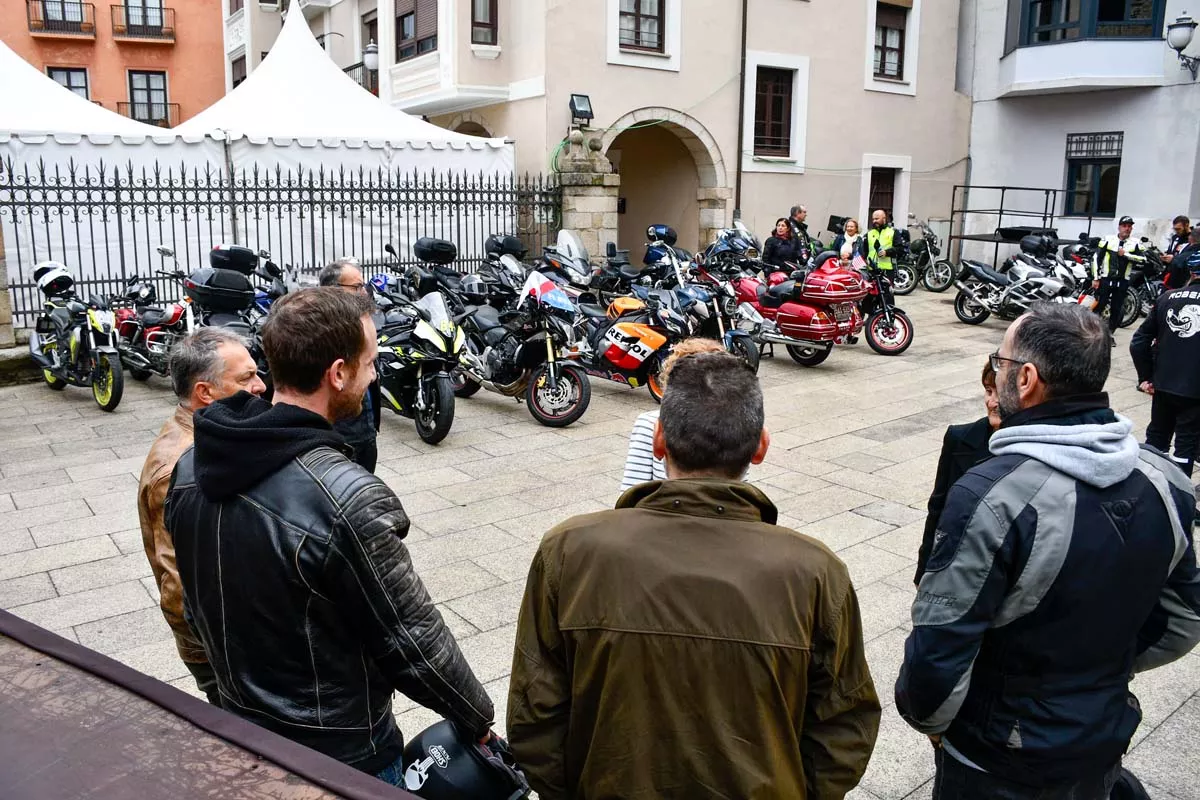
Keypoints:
(842, 312)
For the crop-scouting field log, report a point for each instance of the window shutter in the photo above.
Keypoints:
(426, 18)
(890, 17)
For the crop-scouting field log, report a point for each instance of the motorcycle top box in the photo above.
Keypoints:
(1038, 245)
(233, 257)
(222, 290)
(435, 251)
(832, 284)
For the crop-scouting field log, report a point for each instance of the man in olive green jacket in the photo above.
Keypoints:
(683, 645)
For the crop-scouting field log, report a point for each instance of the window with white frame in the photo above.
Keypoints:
(893, 46)
(890, 24)
(775, 117)
(644, 33)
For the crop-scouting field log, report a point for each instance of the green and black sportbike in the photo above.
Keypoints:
(419, 347)
(73, 341)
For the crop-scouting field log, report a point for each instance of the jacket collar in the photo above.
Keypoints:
(1073, 410)
(183, 418)
(717, 498)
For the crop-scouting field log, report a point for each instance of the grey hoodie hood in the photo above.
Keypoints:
(1098, 453)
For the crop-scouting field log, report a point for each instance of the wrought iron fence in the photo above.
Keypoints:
(366, 78)
(105, 222)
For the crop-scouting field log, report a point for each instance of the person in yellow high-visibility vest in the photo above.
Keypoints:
(880, 240)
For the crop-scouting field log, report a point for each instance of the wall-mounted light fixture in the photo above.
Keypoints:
(1179, 36)
(581, 109)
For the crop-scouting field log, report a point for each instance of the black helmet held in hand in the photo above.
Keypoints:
(442, 765)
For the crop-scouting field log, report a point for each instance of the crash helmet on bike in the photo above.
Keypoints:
(623, 305)
(474, 290)
(440, 764)
(53, 278)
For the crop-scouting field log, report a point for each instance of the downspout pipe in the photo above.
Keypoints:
(741, 143)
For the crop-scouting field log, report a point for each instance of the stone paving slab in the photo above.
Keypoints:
(854, 447)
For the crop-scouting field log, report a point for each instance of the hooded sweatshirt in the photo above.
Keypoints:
(1080, 436)
(243, 439)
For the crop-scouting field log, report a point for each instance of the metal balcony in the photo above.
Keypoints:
(364, 77)
(61, 18)
(164, 115)
(141, 23)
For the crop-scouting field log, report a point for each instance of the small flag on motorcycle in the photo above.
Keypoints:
(859, 262)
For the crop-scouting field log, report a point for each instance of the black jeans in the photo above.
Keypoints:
(206, 679)
(1173, 414)
(1111, 295)
(956, 781)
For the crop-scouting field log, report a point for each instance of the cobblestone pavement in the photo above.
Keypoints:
(854, 448)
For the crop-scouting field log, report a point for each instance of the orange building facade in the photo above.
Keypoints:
(157, 61)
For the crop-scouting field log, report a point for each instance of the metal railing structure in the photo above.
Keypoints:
(143, 22)
(1017, 209)
(104, 222)
(61, 17)
(164, 115)
(368, 79)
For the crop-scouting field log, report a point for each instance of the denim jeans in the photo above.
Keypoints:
(393, 773)
(206, 681)
(956, 781)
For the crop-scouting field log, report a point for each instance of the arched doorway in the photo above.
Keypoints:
(473, 129)
(671, 173)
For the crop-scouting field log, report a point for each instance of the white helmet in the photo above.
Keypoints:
(52, 278)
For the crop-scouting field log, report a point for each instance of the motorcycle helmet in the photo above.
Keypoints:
(623, 305)
(498, 245)
(474, 290)
(440, 765)
(53, 279)
(662, 233)
(141, 293)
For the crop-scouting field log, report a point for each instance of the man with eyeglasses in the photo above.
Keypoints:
(1061, 566)
(361, 431)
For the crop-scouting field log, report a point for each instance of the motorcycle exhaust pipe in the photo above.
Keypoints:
(962, 287)
(136, 359)
(779, 338)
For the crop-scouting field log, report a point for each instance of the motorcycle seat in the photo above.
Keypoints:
(993, 275)
(631, 271)
(151, 315)
(620, 258)
(593, 311)
(784, 291)
(231, 321)
(768, 300)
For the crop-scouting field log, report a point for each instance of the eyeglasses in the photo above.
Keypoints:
(358, 287)
(995, 359)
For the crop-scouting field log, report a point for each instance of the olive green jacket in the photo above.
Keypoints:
(683, 645)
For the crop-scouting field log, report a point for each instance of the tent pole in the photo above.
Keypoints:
(233, 215)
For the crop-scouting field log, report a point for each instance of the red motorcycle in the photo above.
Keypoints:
(146, 332)
(808, 311)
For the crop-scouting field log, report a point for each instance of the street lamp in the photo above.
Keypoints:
(371, 56)
(1179, 36)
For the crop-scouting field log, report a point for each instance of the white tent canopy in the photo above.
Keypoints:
(33, 104)
(298, 93)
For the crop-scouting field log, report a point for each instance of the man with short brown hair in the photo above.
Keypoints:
(209, 365)
(295, 575)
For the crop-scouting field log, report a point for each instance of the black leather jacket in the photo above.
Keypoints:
(298, 583)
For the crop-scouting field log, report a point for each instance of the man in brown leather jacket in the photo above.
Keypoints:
(683, 645)
(207, 366)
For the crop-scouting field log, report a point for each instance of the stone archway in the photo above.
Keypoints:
(700, 188)
(471, 124)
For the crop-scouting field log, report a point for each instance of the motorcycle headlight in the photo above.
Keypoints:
(751, 252)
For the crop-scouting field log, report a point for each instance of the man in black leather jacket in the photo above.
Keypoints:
(294, 572)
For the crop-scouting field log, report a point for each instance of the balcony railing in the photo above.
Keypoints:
(164, 115)
(61, 17)
(364, 77)
(142, 22)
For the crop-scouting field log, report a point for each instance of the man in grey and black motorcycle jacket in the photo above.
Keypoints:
(1063, 565)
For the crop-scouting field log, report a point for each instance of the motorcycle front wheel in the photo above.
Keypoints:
(434, 422)
(558, 405)
(1131, 308)
(938, 276)
(108, 381)
(904, 281)
(744, 348)
(968, 311)
(808, 356)
(889, 339)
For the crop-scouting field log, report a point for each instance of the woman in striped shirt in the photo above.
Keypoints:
(640, 464)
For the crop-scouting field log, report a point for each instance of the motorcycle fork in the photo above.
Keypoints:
(419, 400)
(720, 321)
(551, 358)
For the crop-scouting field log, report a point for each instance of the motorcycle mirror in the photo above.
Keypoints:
(390, 250)
(263, 254)
(1145, 240)
(165, 251)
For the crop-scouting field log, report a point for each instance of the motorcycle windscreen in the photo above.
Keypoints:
(434, 305)
(547, 292)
